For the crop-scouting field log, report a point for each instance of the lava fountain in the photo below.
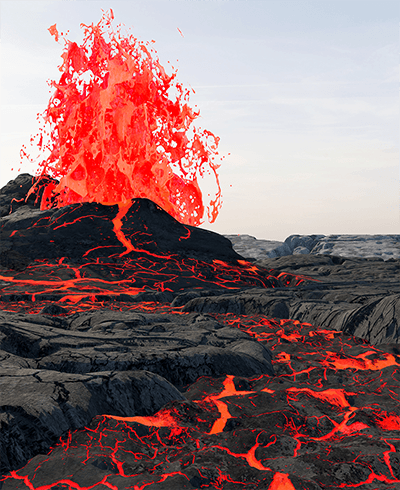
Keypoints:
(114, 134)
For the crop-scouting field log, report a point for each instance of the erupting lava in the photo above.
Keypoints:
(283, 405)
(115, 134)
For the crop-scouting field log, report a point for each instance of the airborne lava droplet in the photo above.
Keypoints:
(115, 133)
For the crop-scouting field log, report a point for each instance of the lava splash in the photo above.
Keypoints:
(116, 135)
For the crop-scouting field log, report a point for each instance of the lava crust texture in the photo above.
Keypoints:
(143, 353)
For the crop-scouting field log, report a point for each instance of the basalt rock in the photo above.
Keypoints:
(58, 373)
(88, 228)
(360, 297)
(15, 194)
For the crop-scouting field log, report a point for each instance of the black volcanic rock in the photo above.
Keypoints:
(14, 194)
(74, 230)
(13, 260)
(122, 364)
(297, 403)
(182, 365)
(360, 297)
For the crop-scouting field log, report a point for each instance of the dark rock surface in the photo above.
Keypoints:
(131, 364)
(360, 297)
(161, 368)
(14, 194)
(74, 230)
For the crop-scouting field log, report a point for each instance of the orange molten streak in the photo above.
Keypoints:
(123, 209)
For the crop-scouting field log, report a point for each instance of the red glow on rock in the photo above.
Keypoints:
(116, 135)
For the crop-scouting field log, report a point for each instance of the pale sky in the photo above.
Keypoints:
(303, 94)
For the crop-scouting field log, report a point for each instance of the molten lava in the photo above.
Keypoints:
(116, 135)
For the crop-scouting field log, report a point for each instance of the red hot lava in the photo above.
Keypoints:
(116, 135)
